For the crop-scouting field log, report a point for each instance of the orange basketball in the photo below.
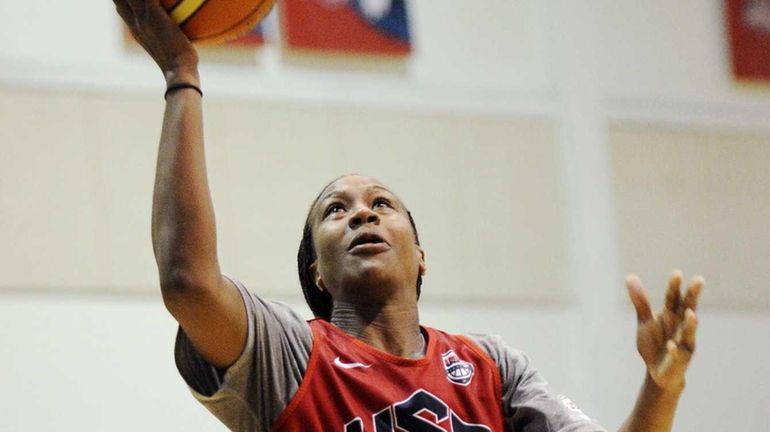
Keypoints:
(214, 21)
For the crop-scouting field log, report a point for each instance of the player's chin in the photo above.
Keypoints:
(370, 271)
(367, 268)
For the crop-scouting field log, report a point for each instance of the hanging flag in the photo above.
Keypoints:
(346, 26)
(748, 23)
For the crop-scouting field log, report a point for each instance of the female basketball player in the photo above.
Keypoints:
(365, 364)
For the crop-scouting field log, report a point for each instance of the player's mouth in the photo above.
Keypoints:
(368, 243)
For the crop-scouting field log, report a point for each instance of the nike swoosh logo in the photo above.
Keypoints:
(343, 365)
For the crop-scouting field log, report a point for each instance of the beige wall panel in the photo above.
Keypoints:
(50, 228)
(699, 201)
(275, 161)
(124, 133)
(484, 191)
(514, 214)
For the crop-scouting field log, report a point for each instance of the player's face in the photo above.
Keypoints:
(364, 243)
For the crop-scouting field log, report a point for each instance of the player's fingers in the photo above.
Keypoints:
(664, 365)
(124, 11)
(159, 14)
(673, 297)
(680, 357)
(150, 6)
(639, 298)
(674, 362)
(138, 6)
(689, 328)
(693, 293)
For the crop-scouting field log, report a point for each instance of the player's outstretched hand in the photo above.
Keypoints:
(159, 35)
(666, 340)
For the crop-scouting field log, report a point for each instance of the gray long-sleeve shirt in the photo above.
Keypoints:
(251, 394)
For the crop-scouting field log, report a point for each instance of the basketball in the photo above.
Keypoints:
(216, 21)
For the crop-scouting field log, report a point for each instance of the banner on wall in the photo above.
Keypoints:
(379, 27)
(748, 23)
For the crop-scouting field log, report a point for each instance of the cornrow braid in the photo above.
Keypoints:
(320, 302)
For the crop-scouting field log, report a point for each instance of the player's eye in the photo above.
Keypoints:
(382, 202)
(334, 208)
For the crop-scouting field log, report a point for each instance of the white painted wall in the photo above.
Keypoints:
(75, 361)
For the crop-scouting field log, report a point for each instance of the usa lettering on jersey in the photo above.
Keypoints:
(420, 412)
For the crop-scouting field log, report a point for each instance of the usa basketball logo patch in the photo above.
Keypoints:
(457, 371)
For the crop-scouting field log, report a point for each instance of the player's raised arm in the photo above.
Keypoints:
(206, 305)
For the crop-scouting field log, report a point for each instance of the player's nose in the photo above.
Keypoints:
(363, 215)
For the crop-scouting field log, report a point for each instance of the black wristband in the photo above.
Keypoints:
(179, 86)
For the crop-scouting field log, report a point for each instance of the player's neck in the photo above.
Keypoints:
(392, 328)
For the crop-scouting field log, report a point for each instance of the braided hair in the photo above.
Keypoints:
(320, 302)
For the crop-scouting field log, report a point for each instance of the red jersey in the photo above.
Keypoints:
(350, 386)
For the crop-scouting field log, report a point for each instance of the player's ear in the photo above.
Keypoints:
(317, 276)
(423, 267)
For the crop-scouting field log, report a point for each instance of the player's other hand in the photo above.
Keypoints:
(666, 340)
(159, 35)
